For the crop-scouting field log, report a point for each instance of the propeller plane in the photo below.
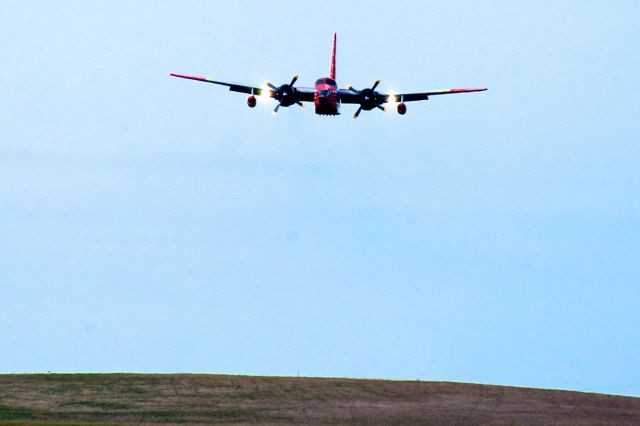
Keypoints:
(326, 96)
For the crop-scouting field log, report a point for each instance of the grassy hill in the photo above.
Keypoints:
(82, 399)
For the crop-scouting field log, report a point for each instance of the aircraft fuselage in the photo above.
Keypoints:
(325, 97)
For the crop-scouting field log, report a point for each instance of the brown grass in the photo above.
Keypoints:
(96, 399)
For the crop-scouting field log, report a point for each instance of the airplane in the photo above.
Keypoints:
(326, 96)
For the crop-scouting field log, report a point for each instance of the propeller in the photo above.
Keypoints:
(285, 94)
(367, 99)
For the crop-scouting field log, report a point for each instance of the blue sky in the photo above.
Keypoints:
(153, 224)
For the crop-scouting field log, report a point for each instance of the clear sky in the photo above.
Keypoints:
(153, 224)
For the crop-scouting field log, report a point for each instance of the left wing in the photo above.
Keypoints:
(293, 94)
(232, 86)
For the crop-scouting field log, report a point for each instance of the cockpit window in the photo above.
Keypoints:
(329, 81)
(323, 93)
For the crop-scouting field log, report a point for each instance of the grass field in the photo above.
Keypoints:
(96, 399)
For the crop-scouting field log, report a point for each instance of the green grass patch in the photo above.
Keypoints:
(14, 413)
(231, 414)
(255, 395)
(95, 404)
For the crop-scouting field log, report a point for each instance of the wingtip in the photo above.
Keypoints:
(468, 89)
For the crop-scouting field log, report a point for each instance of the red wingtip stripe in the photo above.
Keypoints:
(190, 77)
(468, 89)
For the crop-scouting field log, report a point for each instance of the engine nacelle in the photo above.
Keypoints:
(367, 99)
(402, 108)
(251, 101)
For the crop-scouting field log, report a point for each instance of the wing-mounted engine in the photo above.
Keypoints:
(285, 94)
(368, 99)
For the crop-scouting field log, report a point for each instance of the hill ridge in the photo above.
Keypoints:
(199, 398)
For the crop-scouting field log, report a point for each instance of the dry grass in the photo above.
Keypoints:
(96, 399)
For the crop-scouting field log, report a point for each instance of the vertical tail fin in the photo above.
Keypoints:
(332, 73)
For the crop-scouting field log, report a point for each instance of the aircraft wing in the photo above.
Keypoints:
(423, 96)
(350, 97)
(346, 96)
(232, 86)
(302, 94)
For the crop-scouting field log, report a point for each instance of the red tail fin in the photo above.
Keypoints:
(333, 59)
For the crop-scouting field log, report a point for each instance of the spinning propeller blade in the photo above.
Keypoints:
(368, 97)
(285, 93)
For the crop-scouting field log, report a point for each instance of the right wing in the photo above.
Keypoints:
(423, 96)
(348, 96)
